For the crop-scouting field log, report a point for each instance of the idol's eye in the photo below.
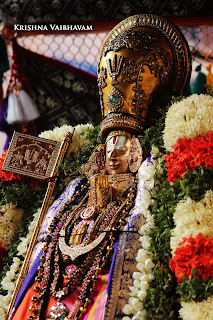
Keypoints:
(120, 151)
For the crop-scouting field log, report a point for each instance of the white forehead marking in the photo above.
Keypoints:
(116, 142)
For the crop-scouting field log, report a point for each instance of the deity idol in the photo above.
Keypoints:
(89, 237)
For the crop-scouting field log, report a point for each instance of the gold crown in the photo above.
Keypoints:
(145, 60)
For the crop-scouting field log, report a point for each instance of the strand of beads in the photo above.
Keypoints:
(75, 279)
(88, 286)
(41, 282)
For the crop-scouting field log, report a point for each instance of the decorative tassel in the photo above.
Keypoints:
(21, 108)
(15, 112)
(28, 105)
(4, 63)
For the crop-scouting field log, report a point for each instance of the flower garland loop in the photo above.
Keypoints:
(135, 309)
(190, 142)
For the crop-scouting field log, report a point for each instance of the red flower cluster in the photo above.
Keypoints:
(7, 176)
(189, 154)
(3, 254)
(196, 254)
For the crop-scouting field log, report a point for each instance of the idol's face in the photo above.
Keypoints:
(117, 154)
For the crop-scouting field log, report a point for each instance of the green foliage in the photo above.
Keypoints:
(195, 288)
(153, 135)
(196, 182)
(29, 200)
(21, 194)
(71, 165)
(161, 301)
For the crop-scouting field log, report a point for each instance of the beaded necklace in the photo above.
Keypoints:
(85, 273)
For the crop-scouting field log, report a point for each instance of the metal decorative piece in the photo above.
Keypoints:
(135, 155)
(87, 213)
(31, 156)
(114, 67)
(61, 148)
(122, 40)
(101, 78)
(79, 249)
(131, 70)
(114, 100)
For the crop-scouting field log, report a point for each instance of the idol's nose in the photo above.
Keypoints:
(112, 154)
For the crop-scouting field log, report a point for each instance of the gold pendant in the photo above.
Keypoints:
(78, 234)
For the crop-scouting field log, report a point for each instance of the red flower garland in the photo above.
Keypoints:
(197, 253)
(7, 176)
(189, 154)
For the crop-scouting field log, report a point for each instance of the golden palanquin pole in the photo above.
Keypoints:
(38, 158)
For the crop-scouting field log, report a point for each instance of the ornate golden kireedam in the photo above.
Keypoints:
(144, 61)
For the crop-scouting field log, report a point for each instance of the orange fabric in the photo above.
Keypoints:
(99, 299)
(23, 311)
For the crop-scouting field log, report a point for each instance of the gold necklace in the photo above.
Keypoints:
(77, 246)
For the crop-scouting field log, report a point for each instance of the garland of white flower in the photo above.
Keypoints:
(8, 283)
(134, 309)
(189, 118)
(78, 140)
(10, 219)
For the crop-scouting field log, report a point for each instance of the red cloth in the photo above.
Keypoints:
(95, 310)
